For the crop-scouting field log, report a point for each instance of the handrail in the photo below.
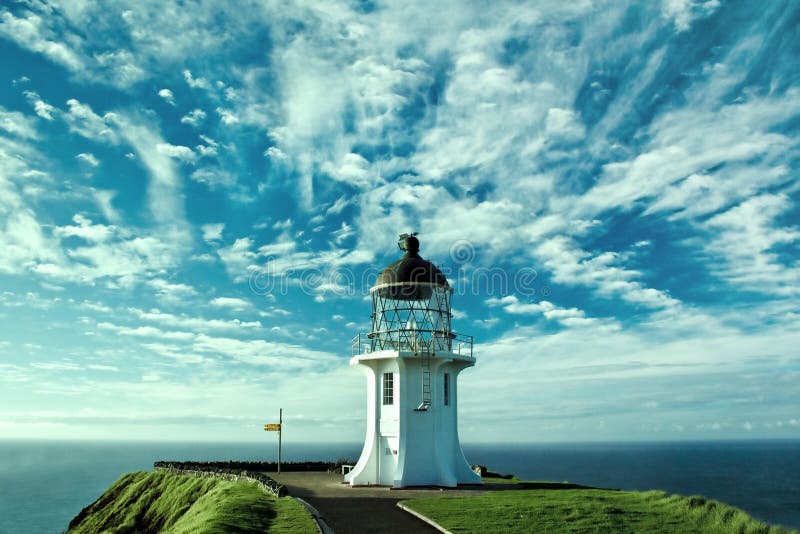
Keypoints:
(402, 338)
(437, 333)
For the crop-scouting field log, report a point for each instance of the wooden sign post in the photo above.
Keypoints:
(277, 427)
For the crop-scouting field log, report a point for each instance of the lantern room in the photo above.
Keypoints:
(411, 304)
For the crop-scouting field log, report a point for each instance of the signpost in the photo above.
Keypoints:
(277, 427)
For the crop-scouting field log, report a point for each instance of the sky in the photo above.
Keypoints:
(195, 198)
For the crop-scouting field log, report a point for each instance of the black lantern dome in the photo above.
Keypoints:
(410, 277)
(411, 304)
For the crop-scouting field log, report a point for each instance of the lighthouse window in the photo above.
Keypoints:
(447, 389)
(388, 388)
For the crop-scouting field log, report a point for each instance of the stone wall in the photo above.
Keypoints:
(221, 470)
(252, 466)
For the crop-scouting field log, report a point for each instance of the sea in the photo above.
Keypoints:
(44, 484)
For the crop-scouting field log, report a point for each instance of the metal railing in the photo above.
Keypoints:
(412, 340)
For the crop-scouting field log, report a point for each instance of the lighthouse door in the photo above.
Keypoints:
(388, 460)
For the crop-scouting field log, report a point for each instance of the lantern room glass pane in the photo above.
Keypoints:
(413, 317)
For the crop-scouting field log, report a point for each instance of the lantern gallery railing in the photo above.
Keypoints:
(413, 341)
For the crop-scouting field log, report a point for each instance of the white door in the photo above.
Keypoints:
(388, 460)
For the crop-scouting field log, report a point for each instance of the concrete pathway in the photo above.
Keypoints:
(354, 510)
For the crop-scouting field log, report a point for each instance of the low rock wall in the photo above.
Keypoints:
(251, 466)
(207, 470)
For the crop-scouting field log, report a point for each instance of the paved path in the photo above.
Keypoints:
(350, 510)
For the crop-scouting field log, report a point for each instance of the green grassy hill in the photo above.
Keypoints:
(161, 502)
(554, 508)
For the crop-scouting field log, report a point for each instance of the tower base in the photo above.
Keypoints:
(406, 446)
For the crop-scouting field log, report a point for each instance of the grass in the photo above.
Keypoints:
(162, 502)
(552, 507)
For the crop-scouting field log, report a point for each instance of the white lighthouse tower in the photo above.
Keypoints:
(411, 360)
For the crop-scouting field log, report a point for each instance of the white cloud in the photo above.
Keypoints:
(195, 324)
(42, 108)
(56, 366)
(82, 120)
(17, 124)
(88, 158)
(227, 116)
(194, 117)
(745, 238)
(605, 272)
(30, 32)
(486, 323)
(84, 229)
(168, 97)
(195, 83)
(146, 332)
(737, 140)
(352, 169)
(170, 292)
(95, 306)
(23, 240)
(206, 151)
(564, 124)
(238, 258)
(164, 195)
(265, 353)
(684, 12)
(103, 199)
(182, 153)
(106, 252)
(344, 232)
(458, 314)
(275, 153)
(231, 303)
(564, 316)
(214, 177)
(337, 207)
(212, 232)
(118, 68)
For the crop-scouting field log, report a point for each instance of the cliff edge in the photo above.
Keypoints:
(165, 502)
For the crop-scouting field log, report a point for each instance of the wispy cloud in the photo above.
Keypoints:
(31, 32)
(17, 124)
(232, 303)
(194, 117)
(88, 158)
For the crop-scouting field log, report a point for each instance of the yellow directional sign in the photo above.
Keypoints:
(273, 427)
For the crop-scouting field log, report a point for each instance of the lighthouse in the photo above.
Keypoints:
(411, 360)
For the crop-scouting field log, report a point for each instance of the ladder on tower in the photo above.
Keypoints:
(425, 365)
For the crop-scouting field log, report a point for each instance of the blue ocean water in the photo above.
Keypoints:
(43, 484)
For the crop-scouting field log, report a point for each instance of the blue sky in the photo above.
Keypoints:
(195, 198)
